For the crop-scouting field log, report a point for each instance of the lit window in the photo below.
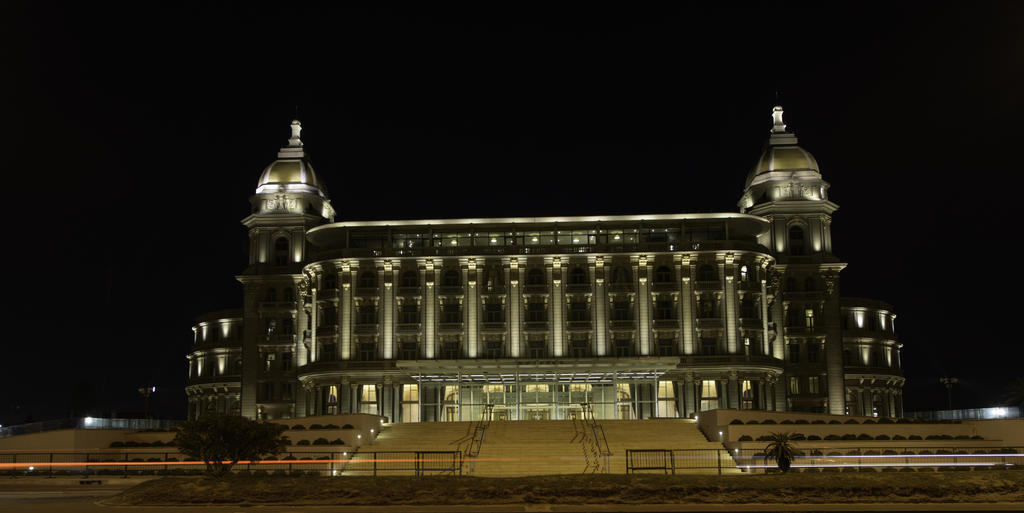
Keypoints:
(814, 385)
(794, 385)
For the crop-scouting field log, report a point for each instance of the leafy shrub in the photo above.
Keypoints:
(132, 443)
(298, 427)
(348, 426)
(286, 441)
(869, 421)
(977, 437)
(882, 437)
(832, 437)
(851, 421)
(260, 473)
(834, 421)
(786, 421)
(885, 420)
(153, 459)
(116, 444)
(736, 421)
(337, 441)
(813, 437)
(816, 452)
(746, 438)
(914, 437)
(963, 437)
(315, 426)
(320, 441)
(331, 426)
(302, 442)
(817, 421)
(801, 421)
(280, 472)
(834, 453)
(872, 452)
(898, 437)
(889, 452)
(762, 438)
(768, 421)
(865, 436)
(797, 436)
(849, 436)
(933, 437)
(323, 458)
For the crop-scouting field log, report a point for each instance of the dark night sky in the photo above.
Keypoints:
(133, 139)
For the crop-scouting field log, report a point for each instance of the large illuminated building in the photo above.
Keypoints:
(637, 316)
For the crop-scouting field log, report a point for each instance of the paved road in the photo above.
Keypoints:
(67, 496)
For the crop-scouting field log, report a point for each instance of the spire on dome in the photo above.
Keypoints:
(296, 129)
(778, 127)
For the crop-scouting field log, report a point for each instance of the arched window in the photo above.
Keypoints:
(410, 279)
(271, 294)
(796, 240)
(706, 272)
(663, 275)
(810, 284)
(535, 277)
(620, 275)
(367, 280)
(451, 278)
(289, 294)
(281, 251)
(577, 276)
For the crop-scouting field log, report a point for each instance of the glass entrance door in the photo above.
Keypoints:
(536, 412)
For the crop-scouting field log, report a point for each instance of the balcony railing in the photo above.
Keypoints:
(579, 326)
(408, 327)
(409, 291)
(365, 328)
(535, 326)
(622, 324)
(278, 305)
(450, 327)
(578, 288)
(707, 285)
(664, 286)
(367, 291)
(666, 324)
(492, 326)
(535, 289)
(451, 290)
(709, 322)
(553, 249)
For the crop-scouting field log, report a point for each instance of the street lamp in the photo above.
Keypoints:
(948, 383)
(145, 391)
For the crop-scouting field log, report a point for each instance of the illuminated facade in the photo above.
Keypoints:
(637, 316)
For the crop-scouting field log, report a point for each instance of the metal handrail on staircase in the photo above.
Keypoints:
(595, 444)
(476, 438)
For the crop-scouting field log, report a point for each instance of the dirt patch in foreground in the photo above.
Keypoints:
(1004, 486)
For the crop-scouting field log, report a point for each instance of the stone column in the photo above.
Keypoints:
(729, 304)
(427, 278)
(472, 308)
(387, 275)
(600, 307)
(686, 303)
(515, 306)
(346, 275)
(734, 390)
(555, 307)
(643, 307)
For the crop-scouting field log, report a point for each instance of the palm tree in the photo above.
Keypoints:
(780, 449)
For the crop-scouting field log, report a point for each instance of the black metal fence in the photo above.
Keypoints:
(668, 461)
(159, 463)
(404, 463)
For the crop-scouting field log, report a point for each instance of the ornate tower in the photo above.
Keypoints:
(786, 188)
(289, 200)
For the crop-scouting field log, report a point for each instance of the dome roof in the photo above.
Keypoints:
(292, 167)
(782, 153)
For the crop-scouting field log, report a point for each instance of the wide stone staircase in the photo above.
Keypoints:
(541, 447)
(393, 447)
